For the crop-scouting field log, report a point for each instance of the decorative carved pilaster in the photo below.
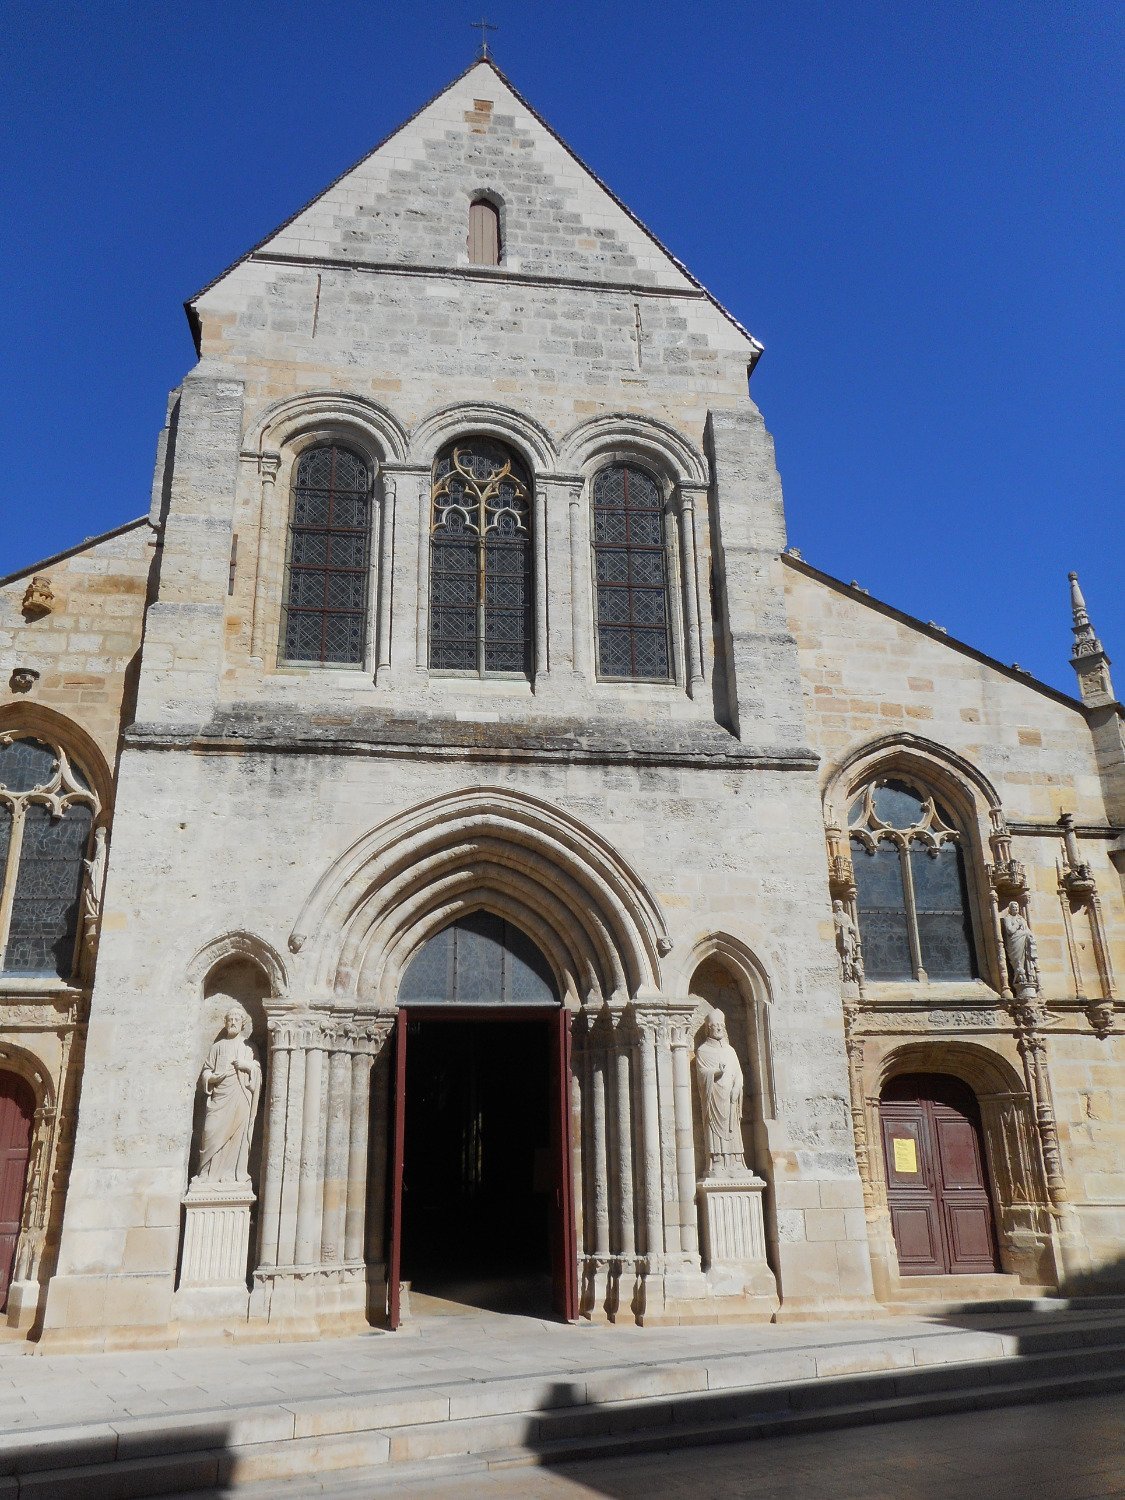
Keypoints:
(854, 1046)
(1078, 891)
(845, 913)
(1033, 1050)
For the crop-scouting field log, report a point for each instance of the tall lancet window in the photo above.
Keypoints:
(325, 614)
(480, 561)
(910, 885)
(630, 566)
(47, 813)
(484, 233)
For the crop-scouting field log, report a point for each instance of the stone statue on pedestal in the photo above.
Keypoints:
(232, 1081)
(719, 1073)
(1019, 946)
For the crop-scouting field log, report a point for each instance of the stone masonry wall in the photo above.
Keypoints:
(84, 649)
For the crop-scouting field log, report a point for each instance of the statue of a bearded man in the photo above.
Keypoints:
(719, 1074)
(232, 1082)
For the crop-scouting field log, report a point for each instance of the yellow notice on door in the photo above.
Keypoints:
(906, 1154)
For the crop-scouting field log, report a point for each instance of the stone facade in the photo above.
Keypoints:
(288, 836)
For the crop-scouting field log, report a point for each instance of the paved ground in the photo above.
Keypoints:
(46, 1390)
(1070, 1450)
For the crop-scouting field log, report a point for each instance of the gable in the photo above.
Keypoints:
(405, 205)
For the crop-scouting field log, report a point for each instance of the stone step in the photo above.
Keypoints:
(571, 1415)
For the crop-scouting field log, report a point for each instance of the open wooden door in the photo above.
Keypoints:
(17, 1113)
(564, 1246)
(398, 1134)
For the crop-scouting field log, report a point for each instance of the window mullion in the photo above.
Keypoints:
(8, 895)
(482, 523)
(912, 930)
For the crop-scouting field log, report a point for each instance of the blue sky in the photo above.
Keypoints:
(917, 207)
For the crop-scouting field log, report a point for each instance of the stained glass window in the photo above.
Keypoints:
(480, 561)
(325, 614)
(47, 812)
(478, 960)
(630, 570)
(911, 892)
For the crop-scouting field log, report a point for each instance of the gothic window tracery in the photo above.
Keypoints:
(911, 892)
(480, 561)
(631, 574)
(47, 813)
(324, 619)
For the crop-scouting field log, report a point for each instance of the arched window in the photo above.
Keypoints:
(480, 561)
(325, 614)
(630, 567)
(484, 233)
(910, 885)
(47, 812)
(478, 960)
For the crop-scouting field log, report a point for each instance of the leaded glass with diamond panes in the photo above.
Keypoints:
(480, 562)
(326, 586)
(47, 813)
(630, 571)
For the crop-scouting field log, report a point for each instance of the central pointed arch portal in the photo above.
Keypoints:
(480, 1179)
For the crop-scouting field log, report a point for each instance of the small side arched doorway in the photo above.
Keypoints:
(937, 1179)
(481, 1201)
(17, 1116)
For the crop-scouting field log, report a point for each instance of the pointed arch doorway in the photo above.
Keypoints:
(481, 1195)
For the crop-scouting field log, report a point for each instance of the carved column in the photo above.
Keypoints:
(268, 466)
(680, 1037)
(647, 1026)
(273, 1156)
(385, 581)
(542, 646)
(693, 629)
(366, 1042)
(310, 1188)
(336, 1152)
(422, 597)
(580, 612)
(623, 1098)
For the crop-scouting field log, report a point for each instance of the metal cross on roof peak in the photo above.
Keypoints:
(484, 27)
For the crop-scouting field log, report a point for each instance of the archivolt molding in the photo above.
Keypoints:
(321, 412)
(614, 432)
(563, 885)
(984, 1069)
(239, 944)
(735, 954)
(34, 721)
(941, 769)
(32, 1070)
(528, 437)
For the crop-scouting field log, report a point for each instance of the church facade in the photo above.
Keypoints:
(452, 842)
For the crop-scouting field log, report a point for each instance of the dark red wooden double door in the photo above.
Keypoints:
(937, 1184)
(17, 1112)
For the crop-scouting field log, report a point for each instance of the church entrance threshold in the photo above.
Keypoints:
(480, 1207)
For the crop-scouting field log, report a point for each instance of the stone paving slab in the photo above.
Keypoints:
(478, 1364)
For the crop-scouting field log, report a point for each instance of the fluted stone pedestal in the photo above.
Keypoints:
(216, 1234)
(734, 1236)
